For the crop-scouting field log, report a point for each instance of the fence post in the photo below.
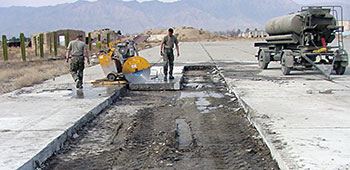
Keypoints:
(67, 39)
(4, 47)
(23, 46)
(89, 40)
(55, 43)
(41, 41)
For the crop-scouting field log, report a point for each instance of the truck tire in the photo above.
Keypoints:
(285, 69)
(340, 70)
(263, 61)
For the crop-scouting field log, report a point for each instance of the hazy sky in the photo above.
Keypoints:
(36, 3)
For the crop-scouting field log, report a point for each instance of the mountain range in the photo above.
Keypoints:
(134, 17)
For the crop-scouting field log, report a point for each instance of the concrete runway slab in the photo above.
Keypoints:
(302, 117)
(303, 127)
(35, 121)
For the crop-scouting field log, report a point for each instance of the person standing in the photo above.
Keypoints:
(166, 50)
(78, 51)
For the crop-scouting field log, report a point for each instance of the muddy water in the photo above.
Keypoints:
(144, 130)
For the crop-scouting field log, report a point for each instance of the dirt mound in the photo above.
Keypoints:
(188, 34)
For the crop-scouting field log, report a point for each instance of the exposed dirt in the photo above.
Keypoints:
(18, 74)
(188, 34)
(139, 132)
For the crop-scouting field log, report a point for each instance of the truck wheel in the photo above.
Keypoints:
(262, 60)
(340, 70)
(284, 68)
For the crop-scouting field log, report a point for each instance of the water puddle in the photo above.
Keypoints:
(196, 80)
(197, 85)
(91, 92)
(201, 94)
(202, 101)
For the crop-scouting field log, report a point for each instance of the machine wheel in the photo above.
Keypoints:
(262, 60)
(340, 70)
(111, 77)
(284, 68)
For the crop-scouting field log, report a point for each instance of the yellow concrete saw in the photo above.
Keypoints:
(124, 63)
(136, 69)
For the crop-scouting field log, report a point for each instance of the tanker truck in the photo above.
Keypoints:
(305, 40)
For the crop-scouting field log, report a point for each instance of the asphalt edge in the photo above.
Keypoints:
(56, 144)
(251, 114)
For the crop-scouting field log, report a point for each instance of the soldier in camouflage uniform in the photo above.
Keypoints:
(77, 50)
(167, 52)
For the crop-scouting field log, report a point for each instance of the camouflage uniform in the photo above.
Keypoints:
(77, 48)
(168, 55)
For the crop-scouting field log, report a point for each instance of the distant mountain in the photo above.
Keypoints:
(322, 1)
(134, 17)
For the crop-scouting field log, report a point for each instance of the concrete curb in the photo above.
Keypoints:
(251, 114)
(57, 143)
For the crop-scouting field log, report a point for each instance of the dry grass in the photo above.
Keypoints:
(15, 75)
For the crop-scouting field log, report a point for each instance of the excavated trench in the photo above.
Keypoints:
(199, 127)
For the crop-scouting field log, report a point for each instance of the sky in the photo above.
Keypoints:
(37, 3)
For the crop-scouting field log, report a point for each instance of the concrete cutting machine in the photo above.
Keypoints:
(121, 61)
(306, 40)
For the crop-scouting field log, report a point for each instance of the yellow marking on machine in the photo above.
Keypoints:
(135, 64)
(320, 50)
(106, 59)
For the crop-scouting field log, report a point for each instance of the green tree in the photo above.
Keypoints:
(98, 45)
(50, 45)
(67, 39)
(35, 46)
(4, 47)
(23, 46)
(89, 41)
(108, 38)
(55, 43)
(41, 42)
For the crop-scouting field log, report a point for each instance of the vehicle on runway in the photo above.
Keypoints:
(304, 40)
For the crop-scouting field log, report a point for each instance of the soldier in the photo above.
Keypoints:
(166, 50)
(78, 50)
